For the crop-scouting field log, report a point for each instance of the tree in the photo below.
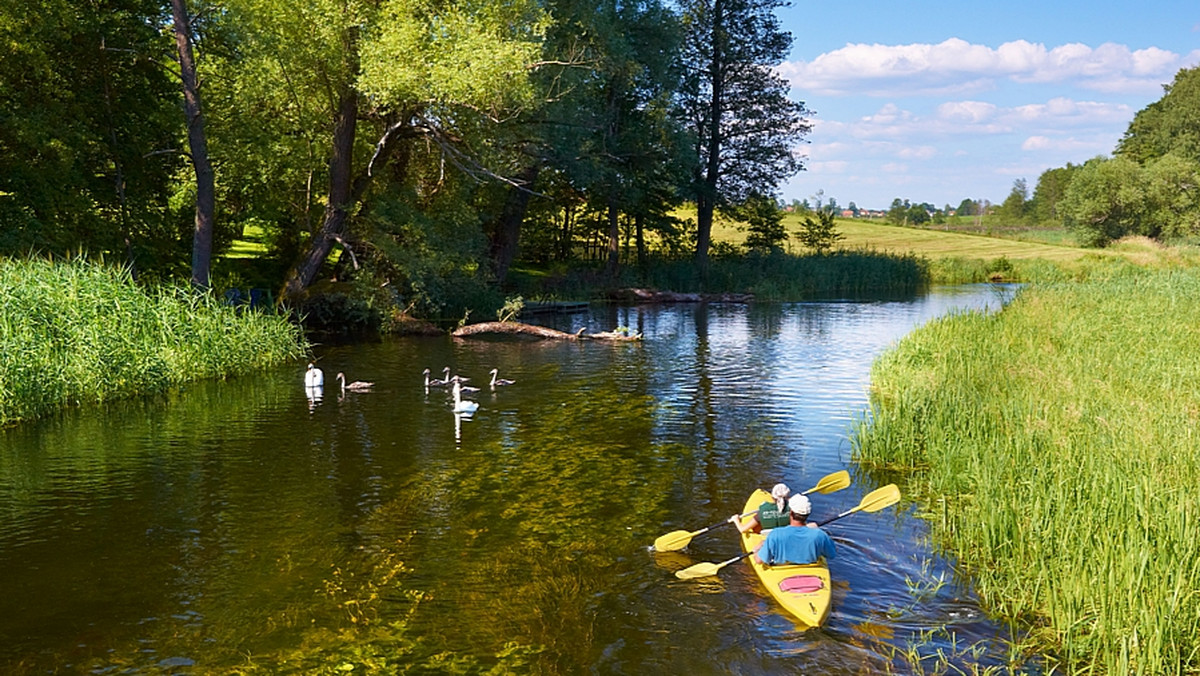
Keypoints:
(1051, 186)
(764, 222)
(1172, 185)
(351, 87)
(967, 207)
(202, 240)
(1105, 201)
(87, 120)
(1171, 124)
(821, 234)
(1014, 206)
(736, 105)
(898, 213)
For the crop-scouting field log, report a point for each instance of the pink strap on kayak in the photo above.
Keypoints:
(801, 584)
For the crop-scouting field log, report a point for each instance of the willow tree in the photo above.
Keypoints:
(745, 125)
(345, 88)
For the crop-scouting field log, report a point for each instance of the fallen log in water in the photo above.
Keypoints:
(531, 330)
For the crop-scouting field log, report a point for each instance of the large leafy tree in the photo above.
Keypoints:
(1171, 124)
(745, 125)
(1105, 201)
(361, 97)
(1051, 186)
(87, 120)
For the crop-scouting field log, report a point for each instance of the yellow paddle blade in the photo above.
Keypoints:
(692, 572)
(673, 541)
(831, 483)
(880, 498)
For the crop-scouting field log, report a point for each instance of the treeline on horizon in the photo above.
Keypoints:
(405, 153)
(1149, 187)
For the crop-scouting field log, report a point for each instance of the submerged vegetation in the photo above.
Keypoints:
(73, 332)
(1054, 446)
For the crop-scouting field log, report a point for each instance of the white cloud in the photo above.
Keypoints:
(972, 112)
(957, 67)
(1072, 145)
(1061, 111)
(830, 167)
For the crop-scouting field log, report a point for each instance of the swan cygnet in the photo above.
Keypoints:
(356, 386)
(463, 405)
(497, 382)
(314, 377)
(433, 382)
(465, 389)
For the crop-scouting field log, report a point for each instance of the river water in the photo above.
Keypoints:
(244, 526)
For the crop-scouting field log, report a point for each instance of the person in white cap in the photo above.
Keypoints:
(773, 514)
(800, 542)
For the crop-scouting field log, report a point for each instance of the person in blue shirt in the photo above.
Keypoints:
(799, 541)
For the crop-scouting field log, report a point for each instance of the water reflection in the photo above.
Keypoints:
(314, 393)
(229, 519)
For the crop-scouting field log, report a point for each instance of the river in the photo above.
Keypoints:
(241, 525)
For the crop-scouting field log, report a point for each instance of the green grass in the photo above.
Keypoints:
(252, 243)
(75, 332)
(1053, 446)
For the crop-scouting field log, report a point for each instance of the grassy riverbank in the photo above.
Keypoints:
(73, 332)
(1053, 445)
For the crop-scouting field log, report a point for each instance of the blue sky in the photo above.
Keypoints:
(939, 101)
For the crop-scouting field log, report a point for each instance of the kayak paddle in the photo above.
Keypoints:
(874, 501)
(676, 540)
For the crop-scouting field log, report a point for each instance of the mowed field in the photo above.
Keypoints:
(934, 243)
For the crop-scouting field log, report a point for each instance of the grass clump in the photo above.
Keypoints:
(77, 331)
(1054, 444)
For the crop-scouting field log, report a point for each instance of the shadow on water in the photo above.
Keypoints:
(244, 523)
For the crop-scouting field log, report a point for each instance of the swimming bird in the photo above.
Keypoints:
(463, 405)
(466, 389)
(434, 382)
(314, 377)
(356, 386)
(496, 382)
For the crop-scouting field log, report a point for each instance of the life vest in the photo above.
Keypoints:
(769, 516)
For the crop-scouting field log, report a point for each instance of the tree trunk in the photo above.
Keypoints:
(706, 201)
(506, 232)
(202, 237)
(337, 209)
(614, 239)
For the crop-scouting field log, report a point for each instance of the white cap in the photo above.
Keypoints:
(781, 491)
(800, 504)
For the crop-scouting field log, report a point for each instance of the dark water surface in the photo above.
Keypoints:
(238, 525)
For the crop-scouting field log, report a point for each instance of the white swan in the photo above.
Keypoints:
(356, 386)
(313, 377)
(463, 405)
(433, 382)
(496, 382)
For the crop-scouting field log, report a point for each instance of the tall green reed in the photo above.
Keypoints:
(77, 331)
(1061, 435)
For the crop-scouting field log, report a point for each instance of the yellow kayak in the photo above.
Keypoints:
(804, 591)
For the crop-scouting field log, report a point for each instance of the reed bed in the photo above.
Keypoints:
(74, 332)
(1054, 446)
(780, 276)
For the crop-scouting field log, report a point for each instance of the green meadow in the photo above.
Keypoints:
(1053, 448)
